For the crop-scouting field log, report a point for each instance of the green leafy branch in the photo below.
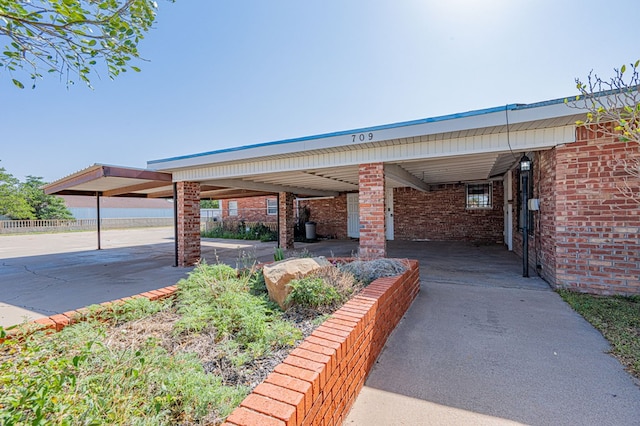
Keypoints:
(612, 108)
(70, 37)
(614, 100)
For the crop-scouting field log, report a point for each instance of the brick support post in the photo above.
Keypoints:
(373, 242)
(188, 223)
(285, 220)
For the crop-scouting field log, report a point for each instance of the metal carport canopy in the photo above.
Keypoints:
(113, 181)
(102, 180)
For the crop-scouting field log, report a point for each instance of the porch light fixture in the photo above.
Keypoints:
(525, 168)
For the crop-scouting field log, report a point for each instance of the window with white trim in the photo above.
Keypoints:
(233, 208)
(479, 195)
(272, 206)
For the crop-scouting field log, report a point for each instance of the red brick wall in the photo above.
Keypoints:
(373, 243)
(441, 215)
(250, 209)
(597, 227)
(320, 380)
(188, 223)
(330, 215)
(546, 251)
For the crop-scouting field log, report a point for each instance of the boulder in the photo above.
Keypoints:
(277, 275)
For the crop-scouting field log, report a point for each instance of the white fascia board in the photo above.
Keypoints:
(520, 141)
(438, 125)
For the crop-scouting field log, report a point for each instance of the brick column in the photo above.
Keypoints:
(373, 242)
(286, 220)
(188, 223)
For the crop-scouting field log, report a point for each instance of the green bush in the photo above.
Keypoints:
(312, 292)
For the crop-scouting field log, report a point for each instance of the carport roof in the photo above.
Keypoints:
(113, 181)
(116, 181)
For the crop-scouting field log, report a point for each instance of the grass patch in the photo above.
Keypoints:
(617, 318)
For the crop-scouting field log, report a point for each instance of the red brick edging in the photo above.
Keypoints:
(320, 380)
(59, 321)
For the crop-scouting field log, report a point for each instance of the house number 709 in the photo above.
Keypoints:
(361, 137)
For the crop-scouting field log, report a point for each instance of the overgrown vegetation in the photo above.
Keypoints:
(618, 318)
(188, 360)
(80, 376)
(214, 298)
(240, 231)
(108, 371)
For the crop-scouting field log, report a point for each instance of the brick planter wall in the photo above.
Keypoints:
(320, 380)
(59, 321)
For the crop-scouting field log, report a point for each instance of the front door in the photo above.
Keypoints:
(353, 215)
(388, 213)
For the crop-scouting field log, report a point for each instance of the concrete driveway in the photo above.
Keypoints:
(482, 345)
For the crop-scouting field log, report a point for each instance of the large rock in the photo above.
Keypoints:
(277, 275)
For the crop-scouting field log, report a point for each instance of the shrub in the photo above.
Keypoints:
(312, 292)
(367, 271)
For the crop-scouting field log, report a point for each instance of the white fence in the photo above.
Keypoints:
(58, 225)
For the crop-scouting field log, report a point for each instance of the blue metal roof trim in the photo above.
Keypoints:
(473, 113)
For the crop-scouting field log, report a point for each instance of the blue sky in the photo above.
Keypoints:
(229, 73)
